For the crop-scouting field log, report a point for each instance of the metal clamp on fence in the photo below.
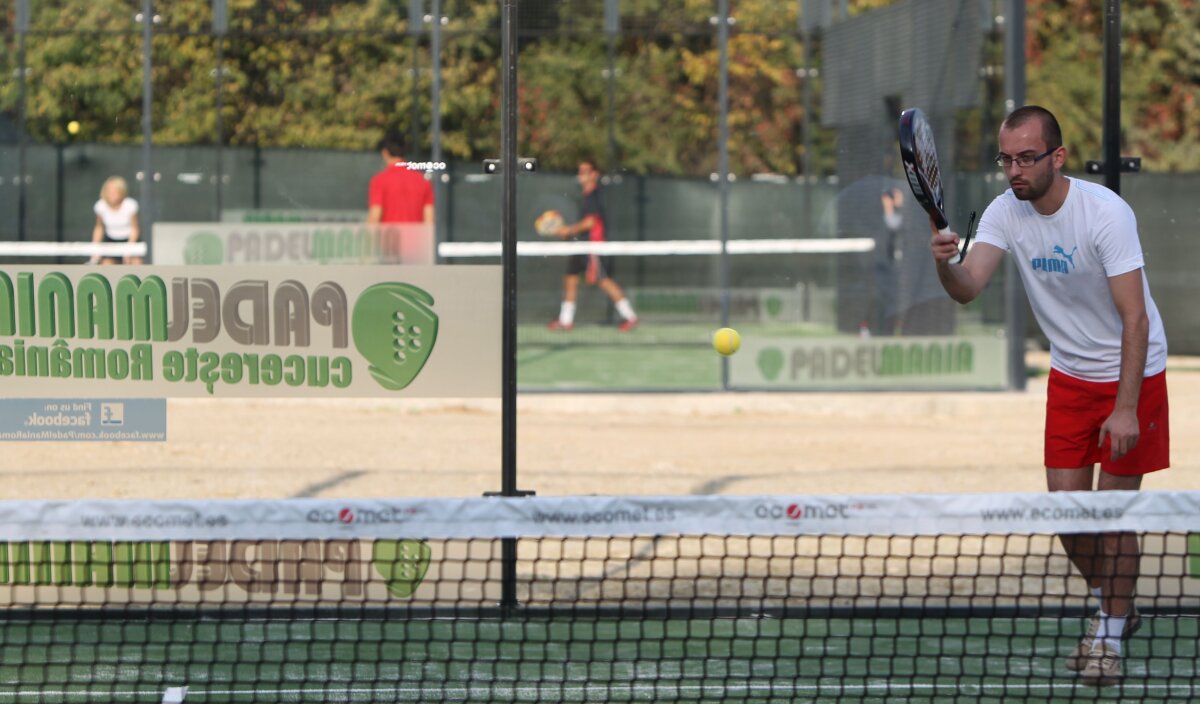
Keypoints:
(491, 166)
(1129, 165)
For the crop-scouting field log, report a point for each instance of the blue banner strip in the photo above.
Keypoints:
(83, 420)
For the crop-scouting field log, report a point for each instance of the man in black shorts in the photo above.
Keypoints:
(596, 268)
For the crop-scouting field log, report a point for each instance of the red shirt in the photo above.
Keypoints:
(401, 192)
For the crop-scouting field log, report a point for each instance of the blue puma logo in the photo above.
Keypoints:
(1057, 266)
(1069, 257)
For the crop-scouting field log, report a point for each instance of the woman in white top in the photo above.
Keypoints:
(116, 218)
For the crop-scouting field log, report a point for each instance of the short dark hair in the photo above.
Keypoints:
(1051, 132)
(590, 162)
(393, 142)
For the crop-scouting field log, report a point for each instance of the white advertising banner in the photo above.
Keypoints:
(1038, 513)
(876, 363)
(176, 243)
(159, 332)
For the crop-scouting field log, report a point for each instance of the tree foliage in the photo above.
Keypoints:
(337, 73)
(1160, 77)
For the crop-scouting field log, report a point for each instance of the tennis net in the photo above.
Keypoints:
(873, 598)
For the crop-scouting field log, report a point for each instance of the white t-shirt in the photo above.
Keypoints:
(118, 222)
(1065, 261)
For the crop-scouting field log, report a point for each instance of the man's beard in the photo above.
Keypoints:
(1033, 189)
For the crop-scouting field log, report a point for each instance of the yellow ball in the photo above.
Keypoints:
(726, 341)
(73, 127)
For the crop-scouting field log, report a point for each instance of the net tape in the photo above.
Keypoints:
(601, 516)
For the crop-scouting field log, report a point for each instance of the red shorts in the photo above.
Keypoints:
(1075, 410)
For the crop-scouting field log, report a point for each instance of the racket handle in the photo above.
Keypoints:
(944, 231)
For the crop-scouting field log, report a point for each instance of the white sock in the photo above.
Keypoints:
(566, 314)
(1111, 628)
(626, 309)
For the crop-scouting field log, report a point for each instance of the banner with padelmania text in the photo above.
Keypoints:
(878, 363)
(293, 243)
(338, 331)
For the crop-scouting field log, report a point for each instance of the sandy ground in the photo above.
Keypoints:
(813, 443)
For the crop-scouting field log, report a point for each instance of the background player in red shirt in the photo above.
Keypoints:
(400, 201)
(598, 269)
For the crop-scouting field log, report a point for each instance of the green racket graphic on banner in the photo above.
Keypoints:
(402, 564)
(395, 329)
(770, 363)
(204, 248)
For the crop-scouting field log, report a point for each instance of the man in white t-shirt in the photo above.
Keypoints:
(116, 218)
(1077, 250)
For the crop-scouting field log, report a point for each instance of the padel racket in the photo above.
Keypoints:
(548, 223)
(919, 156)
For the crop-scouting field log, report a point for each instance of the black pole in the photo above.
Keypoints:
(723, 167)
(1014, 292)
(256, 186)
(806, 26)
(612, 26)
(611, 167)
(435, 127)
(22, 29)
(220, 27)
(146, 209)
(219, 202)
(147, 114)
(414, 118)
(435, 76)
(415, 25)
(1112, 95)
(59, 190)
(508, 243)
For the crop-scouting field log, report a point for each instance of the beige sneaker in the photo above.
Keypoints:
(1103, 667)
(1078, 659)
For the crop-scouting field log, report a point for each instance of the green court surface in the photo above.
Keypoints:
(581, 660)
(653, 356)
(606, 368)
(649, 357)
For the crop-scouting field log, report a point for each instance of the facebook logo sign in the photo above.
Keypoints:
(112, 414)
(83, 419)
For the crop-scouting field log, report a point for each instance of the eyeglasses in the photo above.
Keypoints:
(1024, 160)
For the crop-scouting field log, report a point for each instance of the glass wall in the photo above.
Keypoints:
(758, 136)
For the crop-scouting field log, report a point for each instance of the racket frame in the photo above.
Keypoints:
(918, 154)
